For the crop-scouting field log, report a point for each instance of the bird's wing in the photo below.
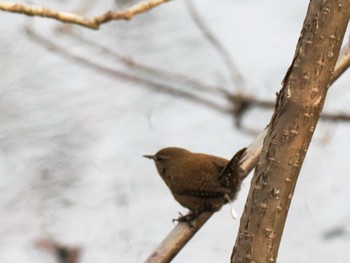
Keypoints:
(204, 186)
(202, 183)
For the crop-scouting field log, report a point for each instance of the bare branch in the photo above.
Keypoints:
(236, 76)
(180, 79)
(93, 23)
(176, 240)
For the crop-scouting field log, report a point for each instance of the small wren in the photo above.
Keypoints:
(196, 180)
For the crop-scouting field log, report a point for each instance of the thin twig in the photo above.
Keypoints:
(159, 87)
(343, 62)
(335, 117)
(179, 79)
(66, 17)
(236, 76)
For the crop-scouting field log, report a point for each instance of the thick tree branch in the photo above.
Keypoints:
(297, 112)
(93, 23)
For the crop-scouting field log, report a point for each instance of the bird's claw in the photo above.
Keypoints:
(186, 218)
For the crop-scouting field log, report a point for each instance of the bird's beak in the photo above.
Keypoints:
(150, 156)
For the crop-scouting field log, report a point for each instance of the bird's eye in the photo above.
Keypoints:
(160, 158)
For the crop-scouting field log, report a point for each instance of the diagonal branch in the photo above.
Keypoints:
(66, 17)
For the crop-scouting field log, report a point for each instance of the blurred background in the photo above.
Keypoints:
(79, 108)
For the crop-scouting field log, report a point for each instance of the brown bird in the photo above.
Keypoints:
(196, 180)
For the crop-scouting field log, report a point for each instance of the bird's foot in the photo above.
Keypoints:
(187, 218)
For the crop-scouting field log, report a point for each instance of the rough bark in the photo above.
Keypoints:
(298, 108)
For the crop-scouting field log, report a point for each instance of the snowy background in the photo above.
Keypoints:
(72, 134)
